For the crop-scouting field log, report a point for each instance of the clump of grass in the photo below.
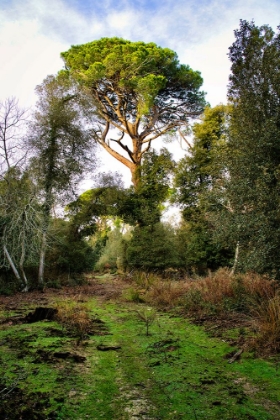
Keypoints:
(133, 294)
(267, 318)
(75, 317)
(259, 288)
(144, 280)
(167, 294)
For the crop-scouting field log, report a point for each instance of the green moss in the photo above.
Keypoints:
(177, 372)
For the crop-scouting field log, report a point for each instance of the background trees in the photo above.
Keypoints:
(20, 224)
(139, 90)
(19, 217)
(12, 128)
(125, 95)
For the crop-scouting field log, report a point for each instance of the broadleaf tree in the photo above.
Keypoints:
(60, 142)
(138, 91)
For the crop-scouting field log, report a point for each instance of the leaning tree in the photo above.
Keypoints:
(138, 93)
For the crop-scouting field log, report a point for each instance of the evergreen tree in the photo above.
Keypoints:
(139, 89)
(200, 190)
(254, 145)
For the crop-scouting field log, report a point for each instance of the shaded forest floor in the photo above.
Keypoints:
(97, 353)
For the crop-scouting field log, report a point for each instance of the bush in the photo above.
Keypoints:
(166, 294)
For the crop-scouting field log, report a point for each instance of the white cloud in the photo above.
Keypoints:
(34, 32)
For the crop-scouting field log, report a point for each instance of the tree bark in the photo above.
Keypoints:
(42, 261)
(235, 259)
(21, 267)
(13, 267)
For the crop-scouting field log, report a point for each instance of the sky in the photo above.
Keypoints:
(33, 33)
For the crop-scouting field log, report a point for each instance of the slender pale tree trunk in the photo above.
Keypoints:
(21, 264)
(236, 255)
(42, 260)
(12, 265)
(46, 222)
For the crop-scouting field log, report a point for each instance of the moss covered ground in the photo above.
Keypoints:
(117, 371)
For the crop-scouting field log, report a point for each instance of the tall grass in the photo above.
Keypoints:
(219, 290)
(75, 317)
(220, 294)
(267, 315)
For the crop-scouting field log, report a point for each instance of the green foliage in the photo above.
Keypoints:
(200, 172)
(87, 211)
(197, 249)
(60, 144)
(200, 181)
(150, 75)
(68, 253)
(57, 137)
(254, 145)
(113, 254)
(139, 89)
(144, 204)
(152, 248)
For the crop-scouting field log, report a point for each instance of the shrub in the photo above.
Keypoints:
(143, 279)
(218, 292)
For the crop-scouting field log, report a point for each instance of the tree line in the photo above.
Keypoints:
(123, 96)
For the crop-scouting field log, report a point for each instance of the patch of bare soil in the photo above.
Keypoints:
(104, 290)
(217, 325)
(16, 405)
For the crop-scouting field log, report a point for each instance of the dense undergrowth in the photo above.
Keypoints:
(219, 295)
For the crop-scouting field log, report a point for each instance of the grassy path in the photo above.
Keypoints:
(176, 372)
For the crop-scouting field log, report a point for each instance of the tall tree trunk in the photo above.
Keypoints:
(236, 255)
(135, 175)
(21, 264)
(42, 260)
(46, 222)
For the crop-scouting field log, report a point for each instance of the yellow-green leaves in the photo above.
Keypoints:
(95, 72)
(148, 88)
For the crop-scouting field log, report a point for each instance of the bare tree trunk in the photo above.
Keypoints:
(235, 259)
(13, 267)
(21, 267)
(42, 260)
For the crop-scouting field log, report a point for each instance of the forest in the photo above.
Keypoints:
(124, 96)
(108, 307)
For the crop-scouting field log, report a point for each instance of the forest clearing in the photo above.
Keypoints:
(115, 348)
(110, 309)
